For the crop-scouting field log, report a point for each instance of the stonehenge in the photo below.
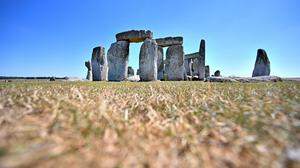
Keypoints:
(173, 67)
(154, 65)
(262, 64)
(195, 63)
(99, 64)
(89, 75)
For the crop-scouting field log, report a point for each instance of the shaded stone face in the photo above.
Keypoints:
(174, 67)
(169, 41)
(201, 61)
(99, 64)
(262, 64)
(134, 36)
(160, 63)
(217, 73)
(148, 60)
(89, 75)
(207, 71)
(188, 66)
(118, 61)
(130, 71)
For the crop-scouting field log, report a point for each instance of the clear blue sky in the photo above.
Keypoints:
(55, 37)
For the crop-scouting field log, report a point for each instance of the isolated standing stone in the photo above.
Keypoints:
(89, 75)
(201, 60)
(174, 67)
(130, 71)
(134, 35)
(118, 61)
(262, 64)
(207, 72)
(148, 60)
(99, 64)
(160, 63)
(217, 73)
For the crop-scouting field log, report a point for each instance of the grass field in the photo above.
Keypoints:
(160, 124)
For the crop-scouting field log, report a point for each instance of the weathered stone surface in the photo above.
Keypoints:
(118, 61)
(174, 67)
(134, 35)
(192, 55)
(201, 61)
(89, 75)
(217, 73)
(148, 60)
(169, 41)
(99, 64)
(220, 79)
(130, 71)
(207, 71)
(160, 63)
(262, 64)
(188, 67)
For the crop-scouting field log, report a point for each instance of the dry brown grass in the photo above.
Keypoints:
(161, 124)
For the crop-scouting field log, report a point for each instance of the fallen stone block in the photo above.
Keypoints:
(220, 79)
(258, 79)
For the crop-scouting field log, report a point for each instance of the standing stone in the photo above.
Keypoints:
(262, 64)
(148, 60)
(118, 61)
(217, 73)
(201, 60)
(174, 67)
(188, 66)
(130, 71)
(160, 63)
(99, 64)
(207, 72)
(89, 75)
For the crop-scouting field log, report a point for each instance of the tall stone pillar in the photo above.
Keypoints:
(89, 75)
(174, 67)
(148, 60)
(207, 71)
(188, 66)
(118, 61)
(160, 63)
(262, 64)
(99, 64)
(201, 60)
